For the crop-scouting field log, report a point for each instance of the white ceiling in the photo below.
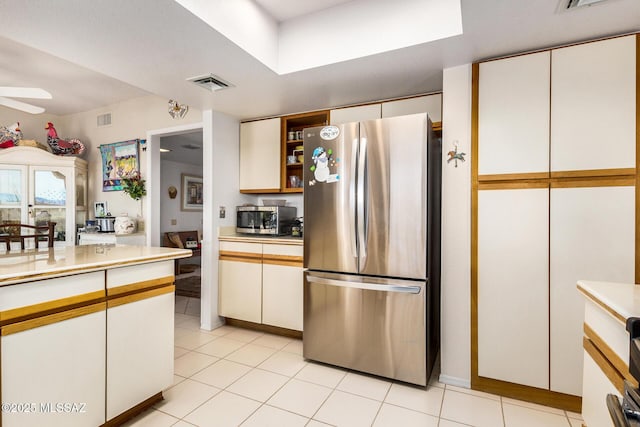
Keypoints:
(90, 54)
(283, 10)
(182, 148)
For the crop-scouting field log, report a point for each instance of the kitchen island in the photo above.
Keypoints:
(86, 333)
(606, 345)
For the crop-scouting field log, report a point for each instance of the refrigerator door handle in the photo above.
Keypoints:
(352, 200)
(362, 201)
(368, 286)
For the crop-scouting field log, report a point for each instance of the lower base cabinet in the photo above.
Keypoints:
(261, 283)
(53, 375)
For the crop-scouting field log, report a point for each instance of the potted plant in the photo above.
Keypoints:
(133, 185)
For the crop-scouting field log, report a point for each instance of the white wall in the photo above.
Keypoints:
(129, 120)
(455, 353)
(221, 170)
(171, 208)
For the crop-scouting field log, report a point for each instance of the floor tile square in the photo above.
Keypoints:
(221, 374)
(575, 423)
(364, 385)
(220, 346)
(294, 346)
(192, 362)
(152, 418)
(321, 374)
(272, 341)
(185, 397)
(258, 385)
(469, 409)
(284, 363)
(520, 416)
(418, 399)
(394, 416)
(177, 379)
(251, 354)
(244, 335)
(189, 322)
(191, 339)
(179, 351)
(193, 307)
(449, 423)
(314, 423)
(225, 409)
(268, 416)
(300, 397)
(473, 392)
(533, 406)
(345, 409)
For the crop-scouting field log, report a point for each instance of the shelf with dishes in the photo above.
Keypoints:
(293, 147)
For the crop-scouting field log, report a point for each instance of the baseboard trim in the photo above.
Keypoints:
(458, 382)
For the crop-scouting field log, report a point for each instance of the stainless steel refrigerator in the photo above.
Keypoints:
(372, 246)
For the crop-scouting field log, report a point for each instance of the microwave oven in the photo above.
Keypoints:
(270, 220)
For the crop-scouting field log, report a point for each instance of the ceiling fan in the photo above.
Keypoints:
(7, 93)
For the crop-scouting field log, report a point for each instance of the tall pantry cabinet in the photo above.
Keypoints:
(554, 201)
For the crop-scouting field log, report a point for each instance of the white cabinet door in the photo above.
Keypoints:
(139, 351)
(355, 114)
(282, 296)
(240, 290)
(260, 155)
(593, 105)
(58, 363)
(593, 238)
(513, 286)
(430, 104)
(513, 126)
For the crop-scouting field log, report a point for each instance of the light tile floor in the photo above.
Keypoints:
(231, 377)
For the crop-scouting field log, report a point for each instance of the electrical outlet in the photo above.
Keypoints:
(222, 212)
(174, 222)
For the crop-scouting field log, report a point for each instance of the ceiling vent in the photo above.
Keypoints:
(210, 82)
(572, 4)
(104, 119)
(191, 146)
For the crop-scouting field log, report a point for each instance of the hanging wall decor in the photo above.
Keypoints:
(119, 160)
(191, 193)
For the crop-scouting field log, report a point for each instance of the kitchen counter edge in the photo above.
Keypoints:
(621, 300)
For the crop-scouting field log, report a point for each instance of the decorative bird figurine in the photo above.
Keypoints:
(9, 136)
(60, 146)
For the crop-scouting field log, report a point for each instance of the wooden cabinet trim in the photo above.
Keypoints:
(49, 307)
(513, 176)
(127, 299)
(613, 359)
(240, 257)
(140, 286)
(600, 181)
(513, 185)
(261, 191)
(134, 412)
(52, 318)
(604, 306)
(286, 260)
(605, 366)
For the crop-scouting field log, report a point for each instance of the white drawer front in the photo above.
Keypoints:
(138, 273)
(611, 330)
(289, 250)
(25, 294)
(254, 248)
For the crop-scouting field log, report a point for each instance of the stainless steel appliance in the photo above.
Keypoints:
(270, 220)
(105, 223)
(371, 246)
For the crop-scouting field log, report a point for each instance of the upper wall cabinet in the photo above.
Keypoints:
(431, 104)
(593, 105)
(513, 104)
(260, 156)
(355, 114)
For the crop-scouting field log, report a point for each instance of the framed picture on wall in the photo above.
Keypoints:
(100, 209)
(119, 160)
(191, 193)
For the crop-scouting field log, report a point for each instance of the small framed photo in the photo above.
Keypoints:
(191, 193)
(100, 209)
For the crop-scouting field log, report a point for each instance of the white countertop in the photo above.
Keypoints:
(229, 234)
(621, 300)
(35, 264)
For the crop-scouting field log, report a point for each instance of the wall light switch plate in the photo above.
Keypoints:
(222, 212)
(174, 222)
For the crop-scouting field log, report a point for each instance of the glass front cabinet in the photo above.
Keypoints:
(37, 186)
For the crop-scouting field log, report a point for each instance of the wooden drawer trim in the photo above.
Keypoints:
(601, 181)
(631, 172)
(240, 257)
(287, 260)
(138, 296)
(606, 308)
(513, 185)
(52, 318)
(50, 307)
(603, 363)
(513, 176)
(611, 356)
(140, 286)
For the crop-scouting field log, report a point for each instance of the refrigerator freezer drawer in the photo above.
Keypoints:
(370, 325)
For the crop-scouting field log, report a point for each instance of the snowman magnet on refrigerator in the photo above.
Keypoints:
(321, 161)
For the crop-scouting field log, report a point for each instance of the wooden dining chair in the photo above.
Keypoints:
(13, 232)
